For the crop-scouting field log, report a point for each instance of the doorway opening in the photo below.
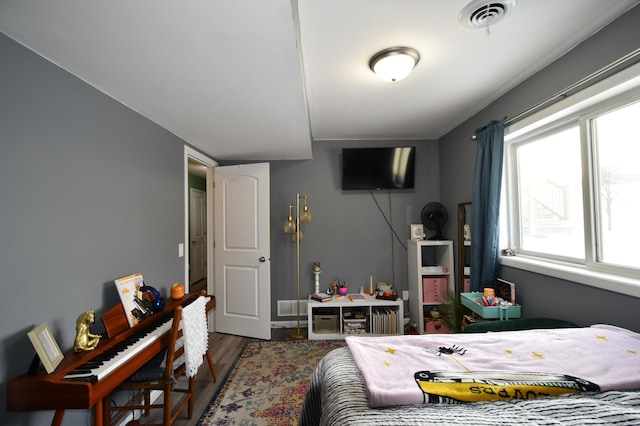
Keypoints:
(199, 235)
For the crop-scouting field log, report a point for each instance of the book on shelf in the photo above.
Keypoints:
(321, 297)
(384, 320)
(357, 296)
(472, 319)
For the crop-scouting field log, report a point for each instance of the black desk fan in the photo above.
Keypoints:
(434, 216)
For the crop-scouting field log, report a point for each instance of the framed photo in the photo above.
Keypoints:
(382, 286)
(46, 347)
(417, 232)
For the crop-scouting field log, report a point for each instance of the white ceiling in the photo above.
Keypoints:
(259, 79)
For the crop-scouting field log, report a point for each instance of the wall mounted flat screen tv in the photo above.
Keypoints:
(378, 168)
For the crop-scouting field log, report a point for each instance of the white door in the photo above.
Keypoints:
(242, 263)
(197, 235)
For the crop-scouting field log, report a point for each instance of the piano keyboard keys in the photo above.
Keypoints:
(105, 363)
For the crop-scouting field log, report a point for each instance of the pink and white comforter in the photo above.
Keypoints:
(400, 370)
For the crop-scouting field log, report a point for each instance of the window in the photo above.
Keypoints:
(616, 150)
(549, 174)
(572, 189)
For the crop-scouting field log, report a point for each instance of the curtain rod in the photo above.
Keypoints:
(580, 84)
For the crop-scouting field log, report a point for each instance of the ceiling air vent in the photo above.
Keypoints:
(484, 13)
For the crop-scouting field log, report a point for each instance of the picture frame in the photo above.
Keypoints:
(382, 287)
(417, 232)
(46, 346)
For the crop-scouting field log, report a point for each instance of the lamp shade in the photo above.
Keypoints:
(305, 215)
(289, 225)
(395, 63)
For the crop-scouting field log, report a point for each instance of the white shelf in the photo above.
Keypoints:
(337, 305)
(437, 263)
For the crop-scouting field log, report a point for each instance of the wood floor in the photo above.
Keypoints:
(224, 350)
(198, 286)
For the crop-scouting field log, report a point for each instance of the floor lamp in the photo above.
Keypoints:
(291, 227)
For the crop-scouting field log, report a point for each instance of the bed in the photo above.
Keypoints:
(339, 393)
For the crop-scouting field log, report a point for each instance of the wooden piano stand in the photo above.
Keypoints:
(210, 306)
(57, 418)
(41, 391)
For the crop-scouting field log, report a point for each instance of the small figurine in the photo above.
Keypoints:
(85, 341)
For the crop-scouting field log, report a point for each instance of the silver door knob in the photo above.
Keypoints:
(262, 259)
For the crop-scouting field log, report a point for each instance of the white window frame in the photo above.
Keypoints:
(578, 108)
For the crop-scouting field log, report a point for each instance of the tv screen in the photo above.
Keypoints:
(378, 168)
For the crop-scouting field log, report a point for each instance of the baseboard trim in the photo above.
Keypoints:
(288, 324)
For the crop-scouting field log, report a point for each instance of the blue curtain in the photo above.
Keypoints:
(485, 225)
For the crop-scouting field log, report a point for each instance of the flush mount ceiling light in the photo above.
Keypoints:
(484, 13)
(395, 63)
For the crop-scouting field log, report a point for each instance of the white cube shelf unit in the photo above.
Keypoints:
(331, 320)
(431, 276)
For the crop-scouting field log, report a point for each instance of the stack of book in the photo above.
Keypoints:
(471, 319)
(321, 297)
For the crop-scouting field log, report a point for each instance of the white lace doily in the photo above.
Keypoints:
(196, 336)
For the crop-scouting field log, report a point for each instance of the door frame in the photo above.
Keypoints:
(190, 153)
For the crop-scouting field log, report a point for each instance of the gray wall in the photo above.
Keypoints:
(542, 295)
(90, 192)
(348, 234)
(86, 186)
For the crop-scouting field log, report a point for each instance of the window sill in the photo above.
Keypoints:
(619, 284)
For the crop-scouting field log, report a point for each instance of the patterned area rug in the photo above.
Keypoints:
(267, 383)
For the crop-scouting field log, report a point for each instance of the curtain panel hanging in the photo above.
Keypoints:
(487, 182)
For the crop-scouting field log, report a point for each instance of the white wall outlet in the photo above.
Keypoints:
(181, 250)
(405, 294)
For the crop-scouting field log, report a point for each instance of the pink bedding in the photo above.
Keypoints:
(472, 367)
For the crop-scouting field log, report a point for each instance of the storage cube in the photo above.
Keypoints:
(325, 324)
(434, 289)
(435, 326)
(358, 326)
(354, 321)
